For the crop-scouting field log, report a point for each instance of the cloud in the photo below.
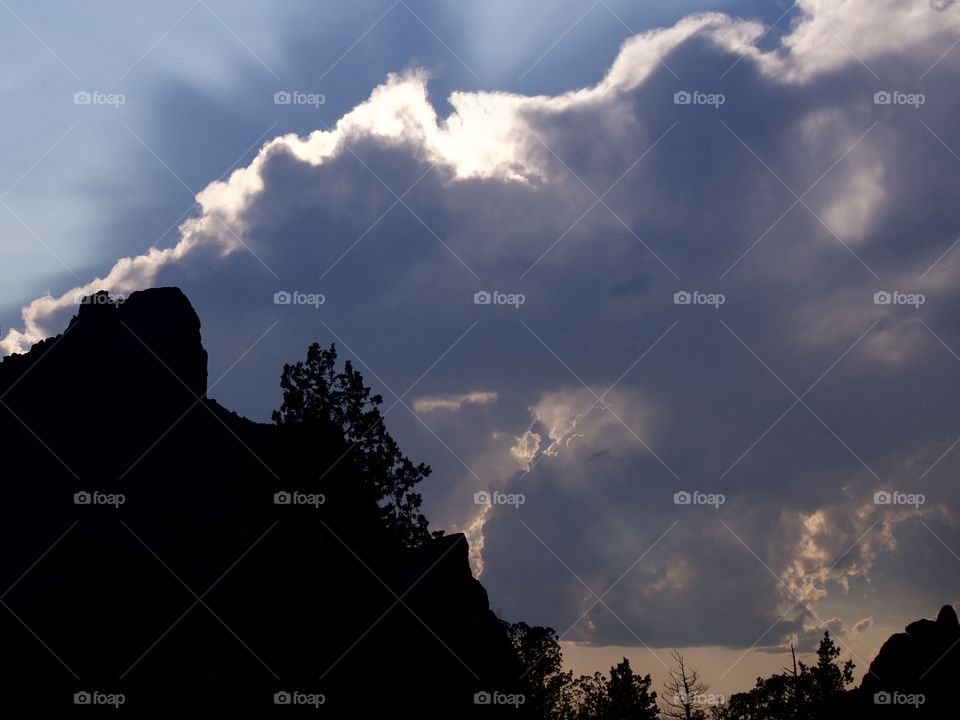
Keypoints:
(487, 135)
(831, 33)
(809, 637)
(431, 403)
(796, 399)
(863, 625)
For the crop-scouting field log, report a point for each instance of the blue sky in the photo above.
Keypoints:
(781, 199)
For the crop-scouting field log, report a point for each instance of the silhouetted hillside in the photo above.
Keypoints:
(198, 595)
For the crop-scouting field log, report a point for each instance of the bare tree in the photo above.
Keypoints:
(795, 682)
(684, 690)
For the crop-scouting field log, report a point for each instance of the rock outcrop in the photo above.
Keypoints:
(145, 553)
(915, 672)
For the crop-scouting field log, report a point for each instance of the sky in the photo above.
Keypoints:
(674, 283)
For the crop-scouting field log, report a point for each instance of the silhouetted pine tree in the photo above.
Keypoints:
(549, 687)
(315, 392)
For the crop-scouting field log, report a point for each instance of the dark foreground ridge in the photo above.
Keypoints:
(146, 554)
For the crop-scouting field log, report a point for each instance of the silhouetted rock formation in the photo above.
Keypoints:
(199, 596)
(922, 662)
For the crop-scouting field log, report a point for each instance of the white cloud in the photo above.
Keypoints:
(487, 134)
(832, 34)
(808, 638)
(431, 403)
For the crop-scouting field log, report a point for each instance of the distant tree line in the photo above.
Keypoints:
(799, 693)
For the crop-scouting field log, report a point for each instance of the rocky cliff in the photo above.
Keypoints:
(149, 552)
